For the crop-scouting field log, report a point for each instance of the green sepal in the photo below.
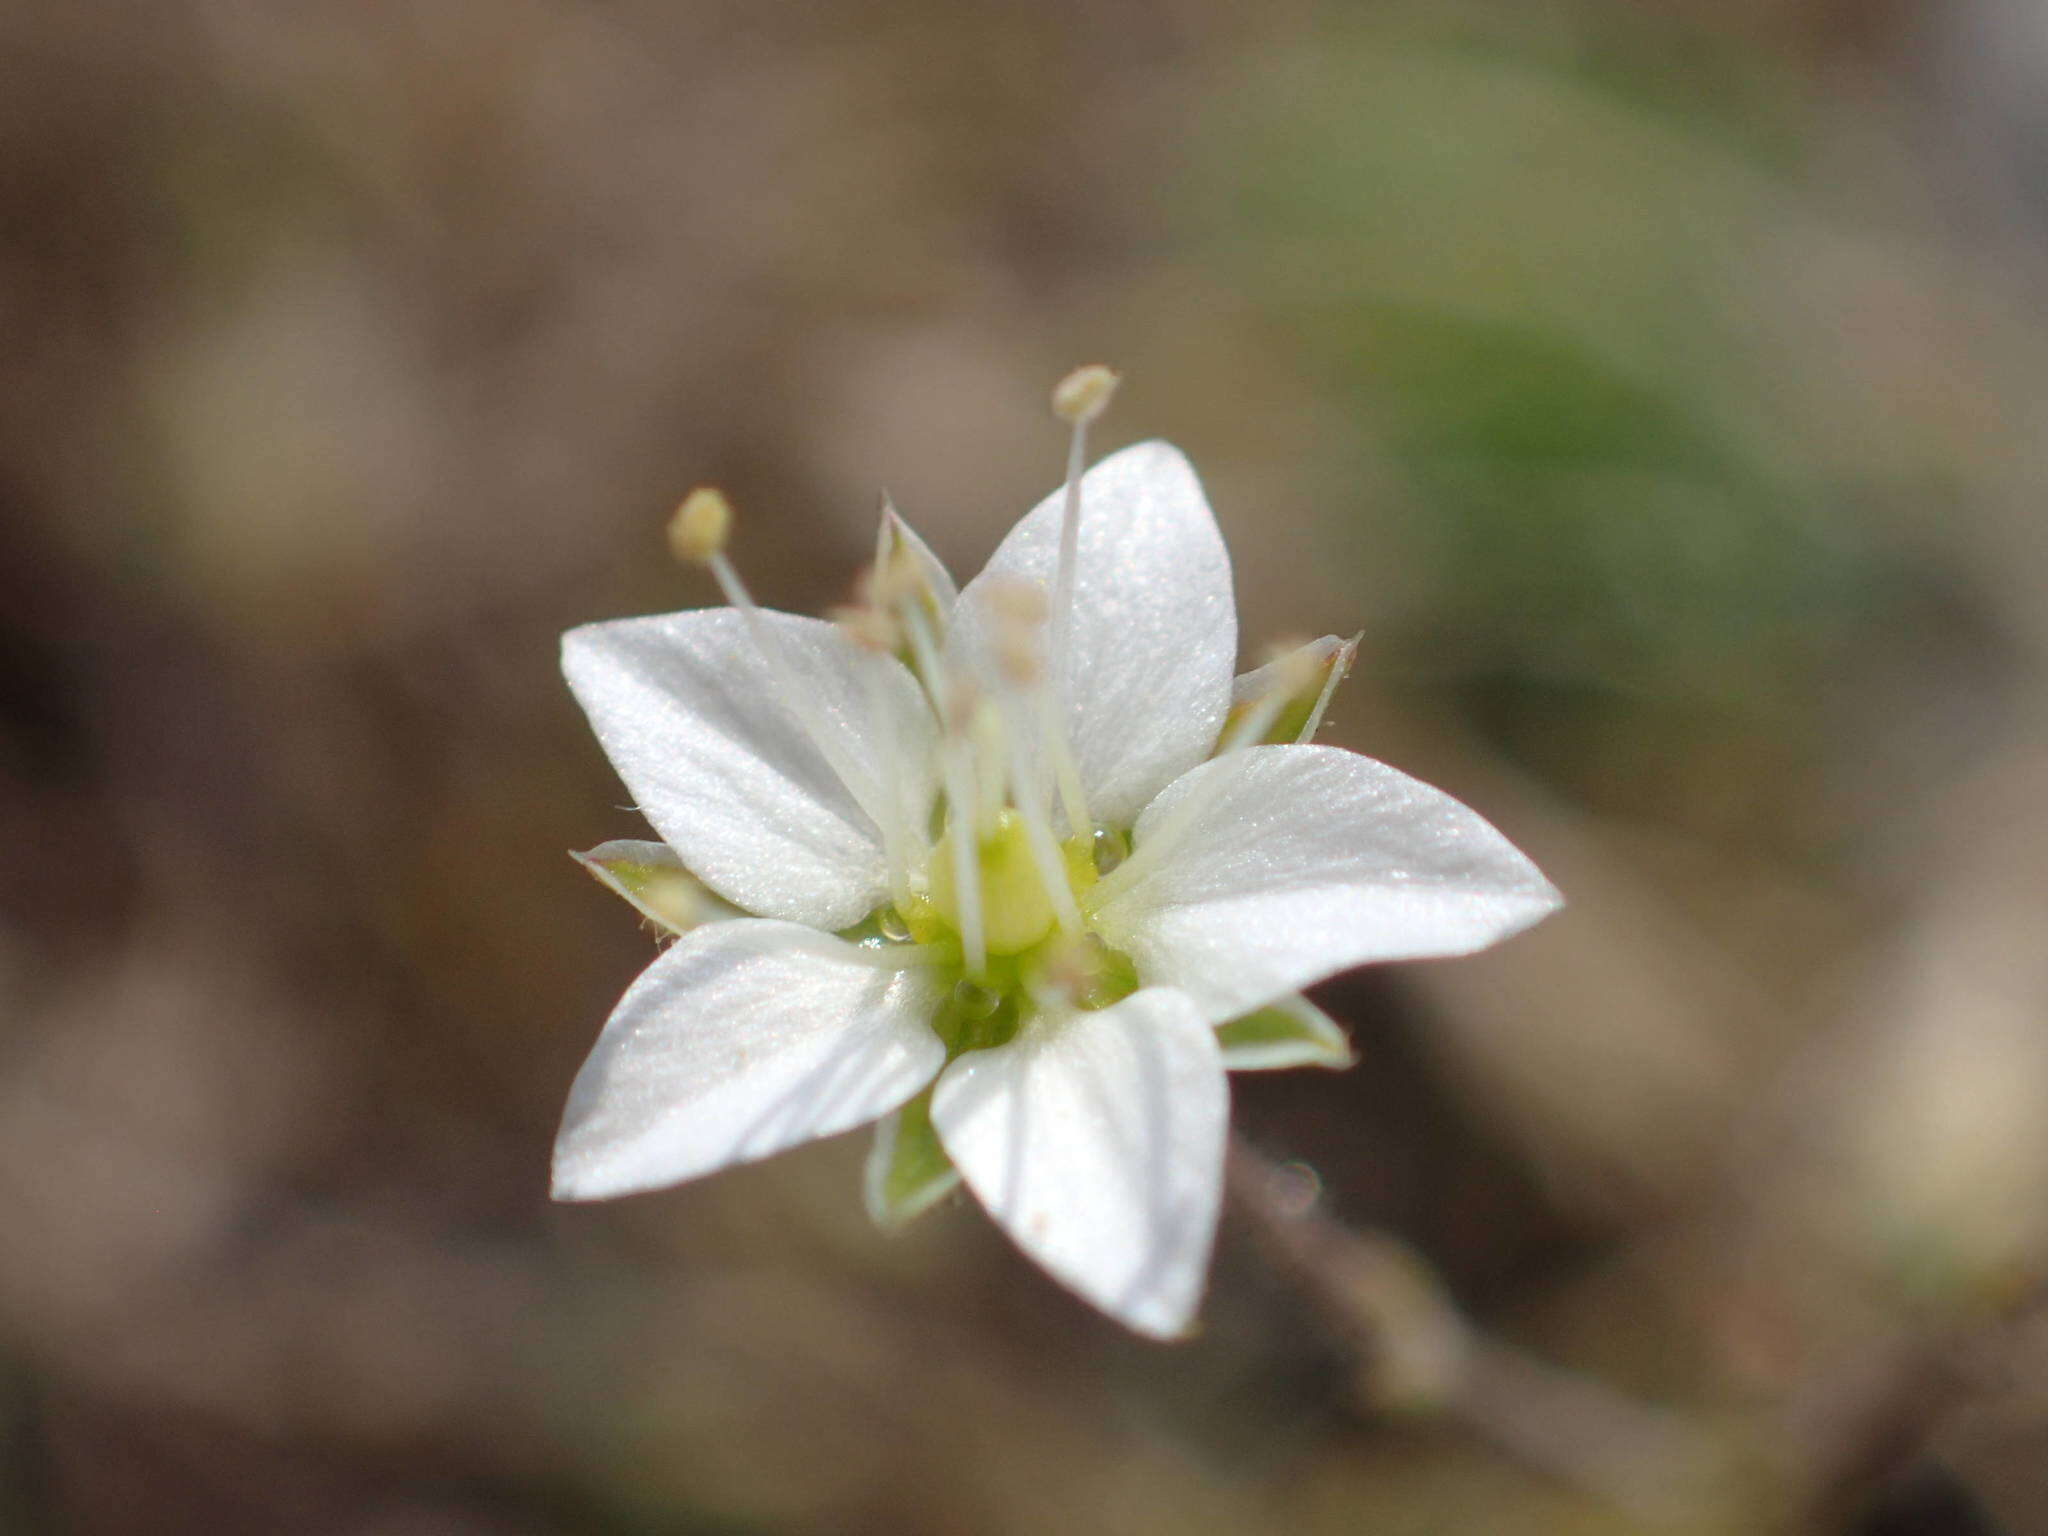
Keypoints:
(1302, 715)
(908, 1170)
(652, 878)
(1293, 1032)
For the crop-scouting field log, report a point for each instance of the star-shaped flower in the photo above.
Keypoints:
(1019, 870)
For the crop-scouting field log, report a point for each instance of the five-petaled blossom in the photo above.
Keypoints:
(1018, 869)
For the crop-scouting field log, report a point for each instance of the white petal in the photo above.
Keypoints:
(741, 1039)
(1096, 1141)
(1154, 633)
(1305, 861)
(690, 715)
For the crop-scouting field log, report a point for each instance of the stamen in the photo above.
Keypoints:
(1084, 394)
(924, 653)
(875, 634)
(697, 535)
(991, 765)
(963, 835)
(1019, 609)
(1066, 773)
(701, 525)
(868, 627)
(1045, 848)
(1077, 400)
(902, 583)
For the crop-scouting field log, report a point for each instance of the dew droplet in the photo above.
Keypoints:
(1109, 850)
(975, 1001)
(894, 926)
(1296, 1188)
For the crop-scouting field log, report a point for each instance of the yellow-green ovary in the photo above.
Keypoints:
(1015, 911)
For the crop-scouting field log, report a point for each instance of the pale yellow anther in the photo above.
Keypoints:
(1015, 601)
(1019, 661)
(1084, 394)
(1019, 610)
(700, 527)
(868, 627)
(963, 703)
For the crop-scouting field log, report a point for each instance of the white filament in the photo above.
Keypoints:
(1070, 550)
(990, 766)
(898, 827)
(965, 843)
(1052, 725)
(1045, 848)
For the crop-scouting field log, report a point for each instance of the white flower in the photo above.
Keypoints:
(1016, 871)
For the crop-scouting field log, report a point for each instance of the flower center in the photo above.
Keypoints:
(988, 882)
(1029, 962)
(1017, 912)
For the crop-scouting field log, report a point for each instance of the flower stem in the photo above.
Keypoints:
(1414, 1351)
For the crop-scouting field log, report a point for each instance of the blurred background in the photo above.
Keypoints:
(1658, 383)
